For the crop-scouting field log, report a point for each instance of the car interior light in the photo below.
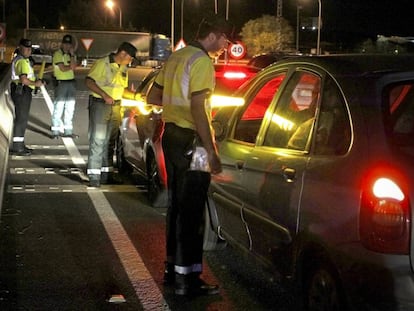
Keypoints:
(141, 105)
(226, 101)
(386, 188)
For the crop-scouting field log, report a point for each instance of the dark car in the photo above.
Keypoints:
(318, 179)
(265, 59)
(139, 145)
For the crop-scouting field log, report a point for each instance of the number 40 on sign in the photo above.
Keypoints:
(237, 50)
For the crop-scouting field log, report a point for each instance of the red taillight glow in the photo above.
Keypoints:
(234, 75)
(385, 217)
(386, 188)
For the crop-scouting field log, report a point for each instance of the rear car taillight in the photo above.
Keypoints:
(385, 215)
(234, 74)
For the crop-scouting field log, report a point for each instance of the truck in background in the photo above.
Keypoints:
(153, 49)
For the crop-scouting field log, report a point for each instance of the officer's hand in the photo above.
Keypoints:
(108, 99)
(215, 163)
(39, 83)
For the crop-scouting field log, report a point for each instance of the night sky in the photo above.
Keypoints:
(364, 17)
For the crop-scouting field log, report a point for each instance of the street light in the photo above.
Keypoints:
(318, 43)
(110, 4)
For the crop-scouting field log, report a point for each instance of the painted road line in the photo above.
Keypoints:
(72, 188)
(144, 285)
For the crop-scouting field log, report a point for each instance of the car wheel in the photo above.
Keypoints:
(212, 240)
(321, 289)
(157, 195)
(123, 166)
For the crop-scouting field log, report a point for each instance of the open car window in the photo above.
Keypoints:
(294, 117)
(250, 120)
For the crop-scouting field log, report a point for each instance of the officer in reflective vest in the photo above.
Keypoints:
(23, 83)
(108, 83)
(64, 64)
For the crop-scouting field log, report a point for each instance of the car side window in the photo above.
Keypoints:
(333, 131)
(400, 113)
(248, 125)
(294, 116)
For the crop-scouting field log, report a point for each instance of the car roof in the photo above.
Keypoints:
(356, 64)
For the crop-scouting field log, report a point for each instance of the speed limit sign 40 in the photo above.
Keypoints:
(237, 50)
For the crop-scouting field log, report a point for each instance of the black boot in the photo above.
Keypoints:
(192, 284)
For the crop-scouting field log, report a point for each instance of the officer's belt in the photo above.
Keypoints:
(71, 80)
(101, 100)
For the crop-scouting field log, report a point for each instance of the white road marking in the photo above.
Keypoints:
(144, 285)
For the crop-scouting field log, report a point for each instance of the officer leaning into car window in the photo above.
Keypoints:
(64, 64)
(23, 83)
(108, 83)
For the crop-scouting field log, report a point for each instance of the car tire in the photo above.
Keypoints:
(157, 194)
(121, 163)
(212, 240)
(321, 288)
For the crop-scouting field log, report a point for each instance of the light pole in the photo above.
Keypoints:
(227, 9)
(27, 14)
(318, 43)
(182, 19)
(298, 8)
(172, 24)
(110, 4)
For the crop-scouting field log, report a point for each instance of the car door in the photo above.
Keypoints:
(273, 170)
(228, 191)
(139, 125)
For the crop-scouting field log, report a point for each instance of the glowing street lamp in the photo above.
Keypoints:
(110, 4)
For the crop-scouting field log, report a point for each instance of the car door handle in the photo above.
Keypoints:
(290, 174)
(239, 164)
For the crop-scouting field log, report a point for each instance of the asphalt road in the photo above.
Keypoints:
(64, 246)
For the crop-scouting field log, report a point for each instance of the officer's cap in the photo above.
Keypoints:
(26, 43)
(67, 39)
(129, 48)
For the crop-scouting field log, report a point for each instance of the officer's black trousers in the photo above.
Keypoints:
(22, 99)
(187, 192)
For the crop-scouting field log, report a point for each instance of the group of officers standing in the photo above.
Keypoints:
(183, 88)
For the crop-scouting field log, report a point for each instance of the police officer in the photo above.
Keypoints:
(64, 64)
(108, 82)
(23, 83)
(183, 88)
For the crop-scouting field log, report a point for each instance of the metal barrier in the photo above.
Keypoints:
(6, 124)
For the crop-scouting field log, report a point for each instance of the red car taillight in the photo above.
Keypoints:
(385, 216)
(234, 75)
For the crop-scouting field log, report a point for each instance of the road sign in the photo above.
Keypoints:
(237, 50)
(87, 43)
(179, 45)
(2, 31)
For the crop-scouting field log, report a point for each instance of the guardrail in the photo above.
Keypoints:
(6, 124)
